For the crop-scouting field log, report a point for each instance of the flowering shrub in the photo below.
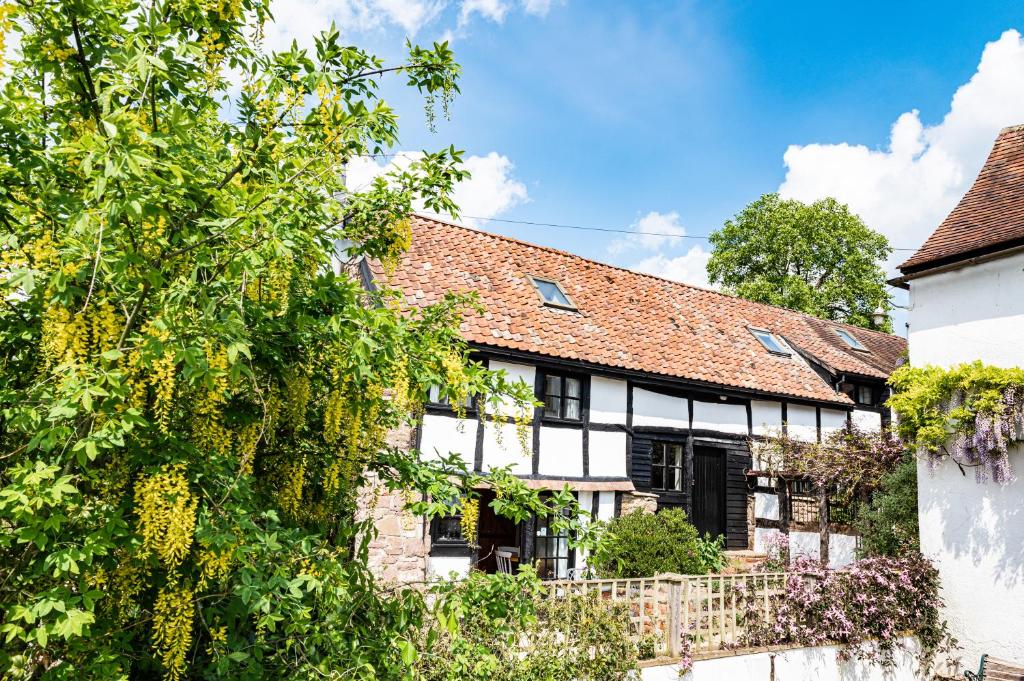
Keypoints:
(866, 608)
(776, 554)
(972, 413)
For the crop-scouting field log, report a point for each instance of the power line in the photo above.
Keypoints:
(613, 230)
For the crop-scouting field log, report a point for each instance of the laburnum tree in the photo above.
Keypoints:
(817, 258)
(192, 387)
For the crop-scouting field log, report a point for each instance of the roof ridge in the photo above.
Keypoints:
(1013, 128)
(666, 280)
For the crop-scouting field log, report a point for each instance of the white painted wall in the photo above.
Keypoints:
(604, 508)
(974, 532)
(509, 451)
(607, 453)
(443, 567)
(832, 420)
(655, 409)
(842, 550)
(802, 422)
(766, 417)
(766, 506)
(762, 537)
(797, 664)
(561, 451)
(446, 434)
(870, 421)
(521, 372)
(607, 400)
(804, 544)
(725, 418)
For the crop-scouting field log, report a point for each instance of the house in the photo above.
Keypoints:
(967, 303)
(651, 389)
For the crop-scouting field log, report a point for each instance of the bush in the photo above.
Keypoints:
(888, 524)
(644, 544)
(712, 553)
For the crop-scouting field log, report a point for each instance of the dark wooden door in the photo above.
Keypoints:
(493, 531)
(709, 490)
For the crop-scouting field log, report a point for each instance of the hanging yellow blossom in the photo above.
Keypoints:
(167, 514)
(470, 510)
(173, 614)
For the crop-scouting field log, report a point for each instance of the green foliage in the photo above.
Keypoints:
(888, 524)
(505, 628)
(820, 259)
(711, 553)
(642, 544)
(190, 395)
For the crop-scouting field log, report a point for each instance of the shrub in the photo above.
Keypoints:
(712, 553)
(642, 544)
(888, 524)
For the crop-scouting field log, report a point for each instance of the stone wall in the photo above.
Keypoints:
(399, 551)
(639, 501)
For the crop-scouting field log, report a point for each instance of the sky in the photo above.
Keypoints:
(669, 117)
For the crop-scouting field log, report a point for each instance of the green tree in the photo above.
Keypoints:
(189, 394)
(819, 258)
(888, 524)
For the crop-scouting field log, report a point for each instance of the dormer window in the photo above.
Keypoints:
(770, 342)
(552, 293)
(850, 340)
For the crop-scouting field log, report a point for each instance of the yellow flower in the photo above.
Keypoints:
(173, 613)
(167, 514)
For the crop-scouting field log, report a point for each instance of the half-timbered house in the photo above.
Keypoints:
(651, 391)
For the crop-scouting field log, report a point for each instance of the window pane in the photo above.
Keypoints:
(553, 406)
(677, 455)
(658, 455)
(677, 479)
(658, 477)
(551, 293)
(572, 387)
(572, 409)
(553, 385)
(769, 342)
(850, 339)
(864, 394)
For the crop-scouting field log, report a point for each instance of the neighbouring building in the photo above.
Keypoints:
(651, 392)
(967, 303)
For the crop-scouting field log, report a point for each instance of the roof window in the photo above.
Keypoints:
(770, 342)
(552, 293)
(850, 339)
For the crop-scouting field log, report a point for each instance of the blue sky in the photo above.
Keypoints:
(665, 116)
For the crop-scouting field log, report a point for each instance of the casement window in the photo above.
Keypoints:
(667, 466)
(435, 398)
(850, 340)
(446, 531)
(553, 556)
(563, 397)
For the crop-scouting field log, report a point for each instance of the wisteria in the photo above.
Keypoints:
(971, 413)
(866, 608)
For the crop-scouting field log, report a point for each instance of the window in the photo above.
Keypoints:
(435, 397)
(554, 558)
(552, 293)
(864, 394)
(770, 342)
(446, 530)
(667, 467)
(563, 397)
(850, 339)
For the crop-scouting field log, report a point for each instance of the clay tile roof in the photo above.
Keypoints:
(628, 320)
(990, 217)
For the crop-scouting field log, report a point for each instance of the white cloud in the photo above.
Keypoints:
(906, 190)
(495, 10)
(689, 268)
(302, 19)
(654, 230)
(537, 7)
(490, 191)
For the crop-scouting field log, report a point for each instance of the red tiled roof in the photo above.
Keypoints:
(625, 319)
(989, 216)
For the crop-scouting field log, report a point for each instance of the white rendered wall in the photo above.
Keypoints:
(446, 434)
(509, 451)
(443, 567)
(521, 372)
(796, 664)
(871, 421)
(974, 532)
(802, 422)
(766, 506)
(561, 451)
(805, 544)
(762, 537)
(655, 409)
(832, 420)
(766, 417)
(607, 454)
(842, 550)
(604, 505)
(607, 400)
(725, 418)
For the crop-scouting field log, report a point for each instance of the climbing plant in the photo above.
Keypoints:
(971, 413)
(192, 385)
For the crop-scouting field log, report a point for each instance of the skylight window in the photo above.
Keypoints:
(770, 342)
(551, 293)
(850, 339)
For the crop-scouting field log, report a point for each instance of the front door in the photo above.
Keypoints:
(709, 490)
(493, 531)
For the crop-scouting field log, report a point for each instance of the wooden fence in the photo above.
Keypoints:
(709, 609)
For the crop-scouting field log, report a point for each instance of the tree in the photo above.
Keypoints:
(189, 393)
(888, 523)
(819, 258)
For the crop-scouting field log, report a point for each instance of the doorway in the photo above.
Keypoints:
(709, 490)
(493, 531)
